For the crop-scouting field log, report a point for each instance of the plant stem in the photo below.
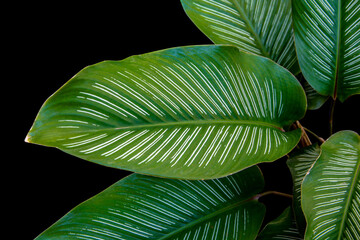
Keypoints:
(314, 134)
(331, 120)
(305, 140)
(273, 192)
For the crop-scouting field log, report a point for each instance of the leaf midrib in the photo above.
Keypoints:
(209, 216)
(35, 131)
(202, 122)
(338, 40)
(251, 28)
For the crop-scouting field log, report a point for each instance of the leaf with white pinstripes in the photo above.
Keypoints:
(299, 163)
(143, 207)
(262, 27)
(191, 112)
(331, 190)
(327, 34)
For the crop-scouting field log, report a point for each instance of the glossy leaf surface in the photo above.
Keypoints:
(327, 34)
(331, 190)
(283, 227)
(256, 26)
(299, 163)
(143, 207)
(191, 112)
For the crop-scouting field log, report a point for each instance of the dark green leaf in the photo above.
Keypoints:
(256, 26)
(327, 36)
(283, 227)
(143, 207)
(314, 99)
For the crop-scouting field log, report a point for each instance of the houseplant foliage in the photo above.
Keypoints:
(112, 112)
(331, 190)
(133, 209)
(203, 117)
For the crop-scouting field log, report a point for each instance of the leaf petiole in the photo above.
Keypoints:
(256, 197)
(331, 120)
(305, 140)
(314, 134)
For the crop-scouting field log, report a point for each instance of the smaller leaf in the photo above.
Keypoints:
(299, 164)
(283, 227)
(143, 207)
(260, 27)
(314, 99)
(331, 190)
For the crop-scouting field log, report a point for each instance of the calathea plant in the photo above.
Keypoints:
(193, 122)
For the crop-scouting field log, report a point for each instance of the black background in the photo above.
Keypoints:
(48, 45)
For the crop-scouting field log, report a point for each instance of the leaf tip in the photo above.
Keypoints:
(28, 138)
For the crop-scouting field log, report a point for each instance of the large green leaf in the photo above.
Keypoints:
(191, 112)
(299, 163)
(331, 190)
(143, 207)
(256, 26)
(327, 34)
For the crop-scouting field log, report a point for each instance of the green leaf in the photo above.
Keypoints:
(283, 227)
(190, 112)
(331, 190)
(143, 207)
(314, 99)
(255, 26)
(299, 164)
(327, 36)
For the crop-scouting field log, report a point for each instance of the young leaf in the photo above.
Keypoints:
(283, 227)
(191, 112)
(143, 207)
(255, 26)
(327, 41)
(331, 190)
(299, 164)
